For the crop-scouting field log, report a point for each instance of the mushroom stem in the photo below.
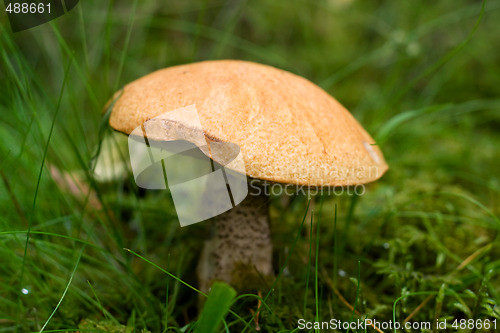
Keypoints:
(241, 247)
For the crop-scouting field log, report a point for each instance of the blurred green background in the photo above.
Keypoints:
(422, 77)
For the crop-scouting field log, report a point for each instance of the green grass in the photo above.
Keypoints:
(422, 243)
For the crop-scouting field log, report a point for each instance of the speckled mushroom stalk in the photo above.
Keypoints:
(240, 252)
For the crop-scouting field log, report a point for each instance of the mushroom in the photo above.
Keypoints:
(288, 130)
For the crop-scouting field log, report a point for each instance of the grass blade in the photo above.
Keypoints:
(216, 308)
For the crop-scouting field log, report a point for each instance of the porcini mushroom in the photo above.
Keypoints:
(289, 131)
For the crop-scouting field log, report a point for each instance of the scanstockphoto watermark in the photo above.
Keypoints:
(171, 151)
(390, 325)
(261, 187)
(308, 170)
(362, 324)
(207, 178)
(27, 14)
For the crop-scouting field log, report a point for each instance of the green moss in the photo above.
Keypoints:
(106, 326)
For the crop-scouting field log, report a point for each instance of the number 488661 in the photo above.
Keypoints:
(474, 324)
(25, 8)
